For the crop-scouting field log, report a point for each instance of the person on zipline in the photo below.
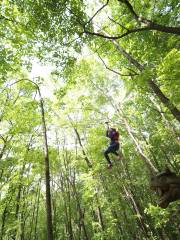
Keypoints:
(114, 144)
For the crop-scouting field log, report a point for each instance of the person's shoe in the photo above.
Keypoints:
(110, 166)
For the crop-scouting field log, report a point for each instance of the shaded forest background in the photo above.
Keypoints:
(115, 61)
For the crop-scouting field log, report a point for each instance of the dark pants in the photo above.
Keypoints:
(113, 148)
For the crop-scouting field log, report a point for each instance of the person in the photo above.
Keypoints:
(114, 144)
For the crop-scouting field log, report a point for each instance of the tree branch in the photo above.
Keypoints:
(114, 21)
(135, 73)
(130, 7)
(98, 11)
(7, 19)
(148, 23)
(124, 75)
(116, 37)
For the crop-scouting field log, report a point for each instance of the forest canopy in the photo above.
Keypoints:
(67, 67)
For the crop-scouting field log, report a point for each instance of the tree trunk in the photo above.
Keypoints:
(100, 218)
(67, 202)
(162, 28)
(150, 24)
(80, 143)
(37, 212)
(169, 124)
(130, 196)
(3, 220)
(146, 160)
(47, 173)
(153, 86)
(81, 214)
(84, 153)
(164, 99)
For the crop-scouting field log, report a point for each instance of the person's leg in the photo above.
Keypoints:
(111, 149)
(106, 152)
(115, 153)
(115, 148)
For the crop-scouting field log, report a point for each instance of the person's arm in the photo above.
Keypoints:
(107, 133)
(107, 130)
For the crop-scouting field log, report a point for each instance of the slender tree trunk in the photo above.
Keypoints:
(84, 153)
(167, 122)
(23, 218)
(46, 162)
(5, 143)
(37, 213)
(80, 143)
(67, 201)
(153, 86)
(71, 237)
(20, 186)
(132, 60)
(3, 150)
(99, 212)
(137, 202)
(127, 189)
(146, 160)
(47, 173)
(130, 196)
(81, 214)
(120, 189)
(3, 220)
(34, 217)
(152, 154)
(164, 99)
(100, 218)
(5, 213)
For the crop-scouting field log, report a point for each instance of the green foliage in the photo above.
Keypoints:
(168, 75)
(160, 216)
(93, 82)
